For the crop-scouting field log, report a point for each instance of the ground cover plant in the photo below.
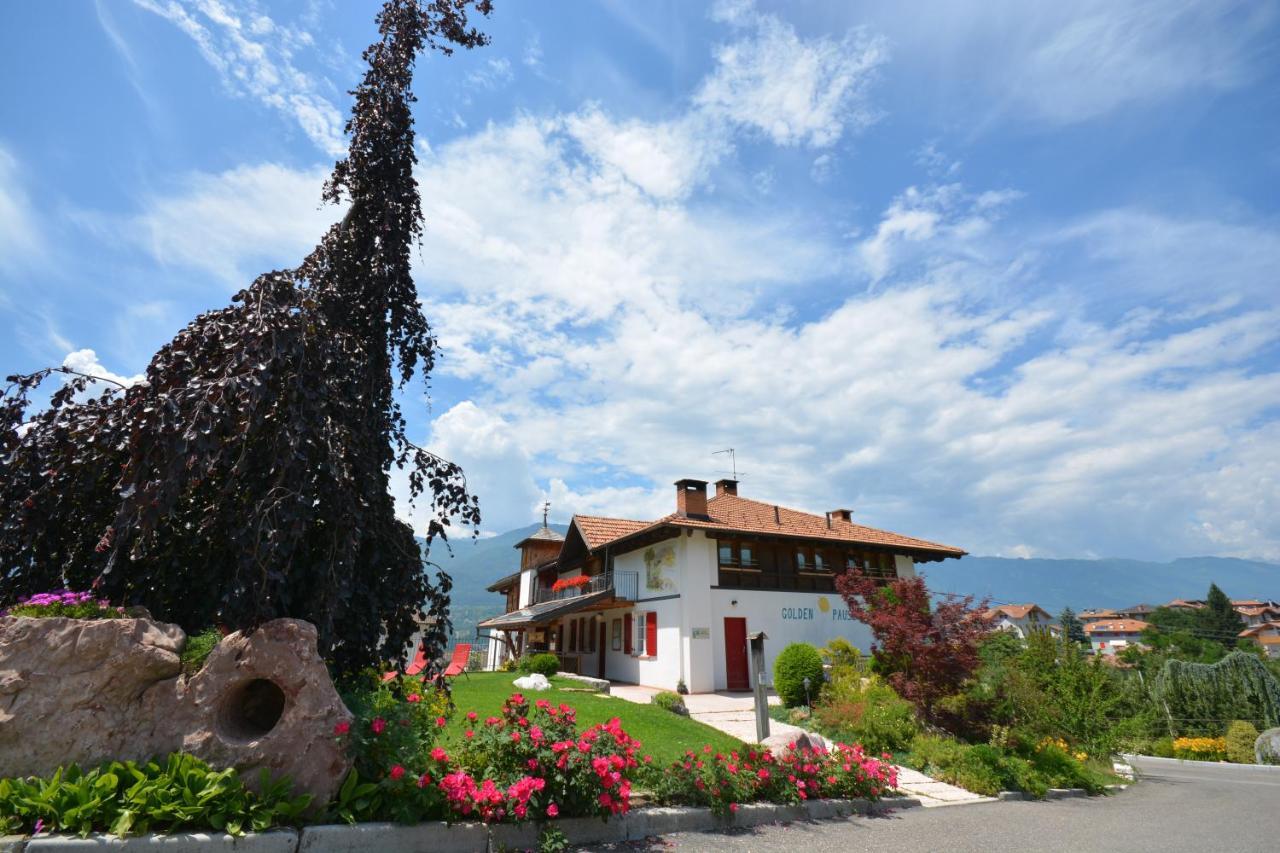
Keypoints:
(64, 603)
(122, 798)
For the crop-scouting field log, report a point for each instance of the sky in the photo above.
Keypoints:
(996, 273)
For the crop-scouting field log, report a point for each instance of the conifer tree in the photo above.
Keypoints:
(1072, 627)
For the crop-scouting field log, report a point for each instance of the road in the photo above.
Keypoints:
(1174, 807)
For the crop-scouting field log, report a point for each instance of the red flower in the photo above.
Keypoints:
(413, 697)
(378, 725)
(342, 728)
(397, 773)
(441, 722)
(553, 810)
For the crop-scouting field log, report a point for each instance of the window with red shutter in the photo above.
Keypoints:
(626, 632)
(651, 633)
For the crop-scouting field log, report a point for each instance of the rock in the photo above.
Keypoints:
(780, 743)
(535, 681)
(88, 691)
(1266, 749)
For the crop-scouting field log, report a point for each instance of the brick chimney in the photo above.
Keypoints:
(726, 487)
(838, 515)
(691, 498)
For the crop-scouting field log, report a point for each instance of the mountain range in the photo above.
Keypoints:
(1051, 583)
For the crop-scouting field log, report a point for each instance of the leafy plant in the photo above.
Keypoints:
(669, 701)
(1200, 748)
(1240, 738)
(793, 665)
(544, 664)
(1198, 698)
(552, 840)
(396, 723)
(877, 718)
(123, 798)
(198, 648)
(259, 446)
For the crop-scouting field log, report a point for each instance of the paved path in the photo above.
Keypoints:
(734, 714)
(1205, 808)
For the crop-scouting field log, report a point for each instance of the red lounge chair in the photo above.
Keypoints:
(458, 663)
(419, 664)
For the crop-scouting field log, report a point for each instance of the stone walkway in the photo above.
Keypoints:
(734, 714)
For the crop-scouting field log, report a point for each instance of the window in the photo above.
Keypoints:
(642, 633)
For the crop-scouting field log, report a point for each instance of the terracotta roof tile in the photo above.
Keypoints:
(598, 530)
(1116, 626)
(1014, 611)
(734, 514)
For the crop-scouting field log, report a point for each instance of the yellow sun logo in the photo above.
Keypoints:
(823, 604)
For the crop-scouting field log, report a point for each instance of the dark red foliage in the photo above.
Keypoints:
(924, 651)
(247, 477)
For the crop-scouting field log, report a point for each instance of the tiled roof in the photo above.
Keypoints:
(1254, 609)
(1014, 611)
(503, 583)
(542, 534)
(598, 530)
(1116, 626)
(734, 514)
(1259, 629)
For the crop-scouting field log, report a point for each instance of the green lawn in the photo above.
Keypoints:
(664, 735)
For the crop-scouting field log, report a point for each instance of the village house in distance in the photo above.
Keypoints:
(661, 602)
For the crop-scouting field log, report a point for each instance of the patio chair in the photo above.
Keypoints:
(458, 663)
(419, 663)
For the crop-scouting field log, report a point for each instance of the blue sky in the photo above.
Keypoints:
(1000, 274)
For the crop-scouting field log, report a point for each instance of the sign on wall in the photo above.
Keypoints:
(702, 633)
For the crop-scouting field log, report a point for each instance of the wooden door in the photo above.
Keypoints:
(603, 648)
(735, 653)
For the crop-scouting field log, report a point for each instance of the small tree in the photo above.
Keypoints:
(925, 652)
(1218, 619)
(1072, 627)
(247, 476)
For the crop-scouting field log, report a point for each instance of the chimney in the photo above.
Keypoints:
(726, 487)
(691, 498)
(845, 515)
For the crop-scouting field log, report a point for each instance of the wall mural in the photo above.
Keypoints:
(656, 559)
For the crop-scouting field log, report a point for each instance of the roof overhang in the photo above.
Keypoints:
(502, 583)
(547, 611)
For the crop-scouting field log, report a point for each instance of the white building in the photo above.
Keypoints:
(1020, 619)
(1109, 637)
(674, 599)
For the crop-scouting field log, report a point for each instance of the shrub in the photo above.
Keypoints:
(1200, 748)
(988, 770)
(395, 723)
(124, 797)
(72, 605)
(198, 648)
(793, 665)
(722, 782)
(878, 718)
(669, 701)
(1162, 747)
(543, 664)
(1240, 738)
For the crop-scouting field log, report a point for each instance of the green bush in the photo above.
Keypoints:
(1162, 747)
(544, 664)
(1240, 738)
(669, 701)
(396, 722)
(877, 718)
(988, 770)
(198, 648)
(124, 797)
(793, 665)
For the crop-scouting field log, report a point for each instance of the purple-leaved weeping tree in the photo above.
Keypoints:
(247, 476)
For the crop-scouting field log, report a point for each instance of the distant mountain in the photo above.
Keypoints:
(1054, 584)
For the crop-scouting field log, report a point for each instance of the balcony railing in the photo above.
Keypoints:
(625, 585)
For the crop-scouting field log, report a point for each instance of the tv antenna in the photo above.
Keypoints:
(733, 460)
(546, 508)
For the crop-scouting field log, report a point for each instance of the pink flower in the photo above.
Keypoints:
(470, 734)
(397, 773)
(553, 810)
(424, 780)
(471, 716)
(733, 807)
(605, 800)
(441, 722)
(342, 728)
(378, 725)
(413, 697)
(438, 754)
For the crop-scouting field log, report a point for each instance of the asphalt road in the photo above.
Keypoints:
(1174, 807)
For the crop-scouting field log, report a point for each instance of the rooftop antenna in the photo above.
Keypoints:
(546, 508)
(733, 461)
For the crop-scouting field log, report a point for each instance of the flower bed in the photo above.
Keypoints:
(65, 603)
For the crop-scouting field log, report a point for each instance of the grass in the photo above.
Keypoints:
(663, 735)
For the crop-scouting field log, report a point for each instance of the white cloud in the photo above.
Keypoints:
(254, 56)
(234, 225)
(86, 361)
(20, 239)
(794, 91)
(492, 74)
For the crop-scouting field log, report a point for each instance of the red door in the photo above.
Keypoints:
(602, 647)
(735, 653)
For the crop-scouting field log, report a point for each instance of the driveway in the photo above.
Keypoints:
(1174, 807)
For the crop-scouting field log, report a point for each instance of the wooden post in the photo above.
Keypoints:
(756, 642)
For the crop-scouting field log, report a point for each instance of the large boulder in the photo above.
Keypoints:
(1266, 749)
(88, 691)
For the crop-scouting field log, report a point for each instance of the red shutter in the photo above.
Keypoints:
(651, 633)
(626, 632)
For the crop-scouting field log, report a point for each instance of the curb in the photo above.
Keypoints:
(1065, 793)
(1128, 757)
(466, 837)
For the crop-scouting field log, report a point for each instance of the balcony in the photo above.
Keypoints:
(624, 585)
